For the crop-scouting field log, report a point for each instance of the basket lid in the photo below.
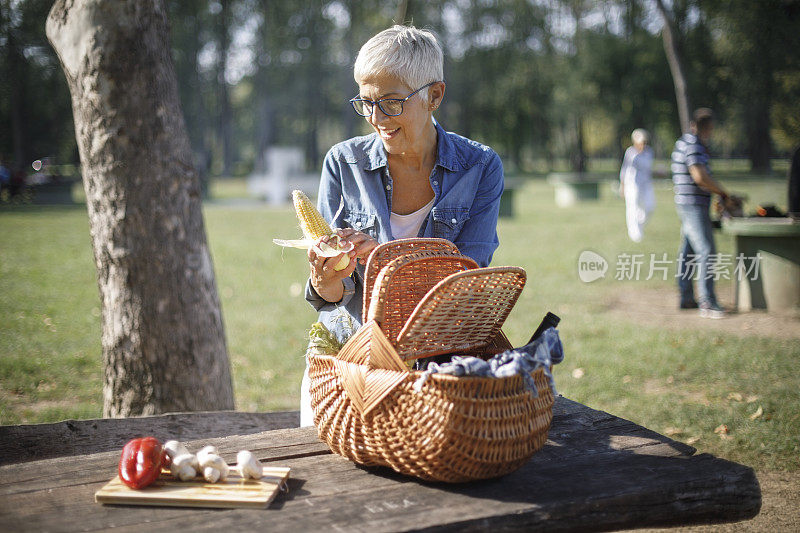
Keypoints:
(464, 311)
(405, 281)
(384, 253)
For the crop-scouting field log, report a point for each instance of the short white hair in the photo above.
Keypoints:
(410, 54)
(640, 135)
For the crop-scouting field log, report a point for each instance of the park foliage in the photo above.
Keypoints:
(536, 80)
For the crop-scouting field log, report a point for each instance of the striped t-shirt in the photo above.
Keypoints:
(689, 151)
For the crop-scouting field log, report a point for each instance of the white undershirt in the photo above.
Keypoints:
(407, 226)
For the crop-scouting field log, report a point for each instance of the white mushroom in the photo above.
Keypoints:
(175, 448)
(211, 474)
(248, 465)
(214, 461)
(201, 455)
(181, 467)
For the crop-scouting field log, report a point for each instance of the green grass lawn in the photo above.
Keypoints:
(678, 382)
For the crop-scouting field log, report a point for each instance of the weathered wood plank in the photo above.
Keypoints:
(36, 510)
(645, 491)
(77, 437)
(575, 432)
(596, 472)
(60, 472)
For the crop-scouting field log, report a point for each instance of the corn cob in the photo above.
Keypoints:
(311, 221)
(314, 227)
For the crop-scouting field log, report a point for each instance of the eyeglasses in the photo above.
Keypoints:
(391, 107)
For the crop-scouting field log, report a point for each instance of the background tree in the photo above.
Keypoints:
(521, 75)
(163, 340)
(673, 49)
(222, 27)
(34, 104)
(758, 40)
(190, 23)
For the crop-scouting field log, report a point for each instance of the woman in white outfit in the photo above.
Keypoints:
(636, 184)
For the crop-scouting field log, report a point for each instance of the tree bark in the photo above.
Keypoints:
(163, 338)
(672, 50)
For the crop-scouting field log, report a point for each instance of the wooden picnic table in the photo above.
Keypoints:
(596, 472)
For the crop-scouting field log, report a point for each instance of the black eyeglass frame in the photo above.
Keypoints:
(377, 103)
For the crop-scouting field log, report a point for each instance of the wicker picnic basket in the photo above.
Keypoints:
(426, 299)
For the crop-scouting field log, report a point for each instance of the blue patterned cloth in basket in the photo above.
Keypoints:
(546, 350)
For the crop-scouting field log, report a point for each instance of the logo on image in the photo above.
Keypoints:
(591, 266)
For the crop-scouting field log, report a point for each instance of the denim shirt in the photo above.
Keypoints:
(467, 182)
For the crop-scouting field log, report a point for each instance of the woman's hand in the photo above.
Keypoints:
(362, 243)
(325, 280)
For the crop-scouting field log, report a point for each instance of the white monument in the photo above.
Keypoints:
(284, 172)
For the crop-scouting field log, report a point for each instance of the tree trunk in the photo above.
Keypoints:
(578, 158)
(758, 94)
(672, 49)
(192, 102)
(265, 126)
(400, 13)
(223, 93)
(758, 135)
(163, 338)
(16, 80)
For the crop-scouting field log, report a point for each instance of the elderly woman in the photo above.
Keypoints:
(408, 178)
(636, 185)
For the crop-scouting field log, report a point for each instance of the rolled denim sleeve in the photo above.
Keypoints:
(478, 237)
(320, 304)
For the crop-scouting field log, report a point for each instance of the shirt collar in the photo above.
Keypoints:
(446, 154)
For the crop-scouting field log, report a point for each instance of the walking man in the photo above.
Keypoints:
(693, 186)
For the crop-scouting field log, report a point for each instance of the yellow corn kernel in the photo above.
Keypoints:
(312, 223)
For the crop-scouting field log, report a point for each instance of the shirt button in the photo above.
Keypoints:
(388, 187)
(453, 221)
(435, 182)
(358, 224)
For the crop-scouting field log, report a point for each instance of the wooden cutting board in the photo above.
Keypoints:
(234, 492)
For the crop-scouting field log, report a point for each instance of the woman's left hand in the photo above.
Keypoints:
(363, 244)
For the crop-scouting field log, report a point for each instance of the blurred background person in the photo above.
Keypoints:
(693, 186)
(636, 184)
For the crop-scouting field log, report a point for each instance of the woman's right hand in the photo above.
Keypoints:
(325, 280)
(362, 243)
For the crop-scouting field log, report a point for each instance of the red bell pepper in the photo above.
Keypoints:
(141, 462)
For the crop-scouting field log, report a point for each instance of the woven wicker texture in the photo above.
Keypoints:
(461, 313)
(383, 254)
(453, 430)
(370, 367)
(405, 281)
